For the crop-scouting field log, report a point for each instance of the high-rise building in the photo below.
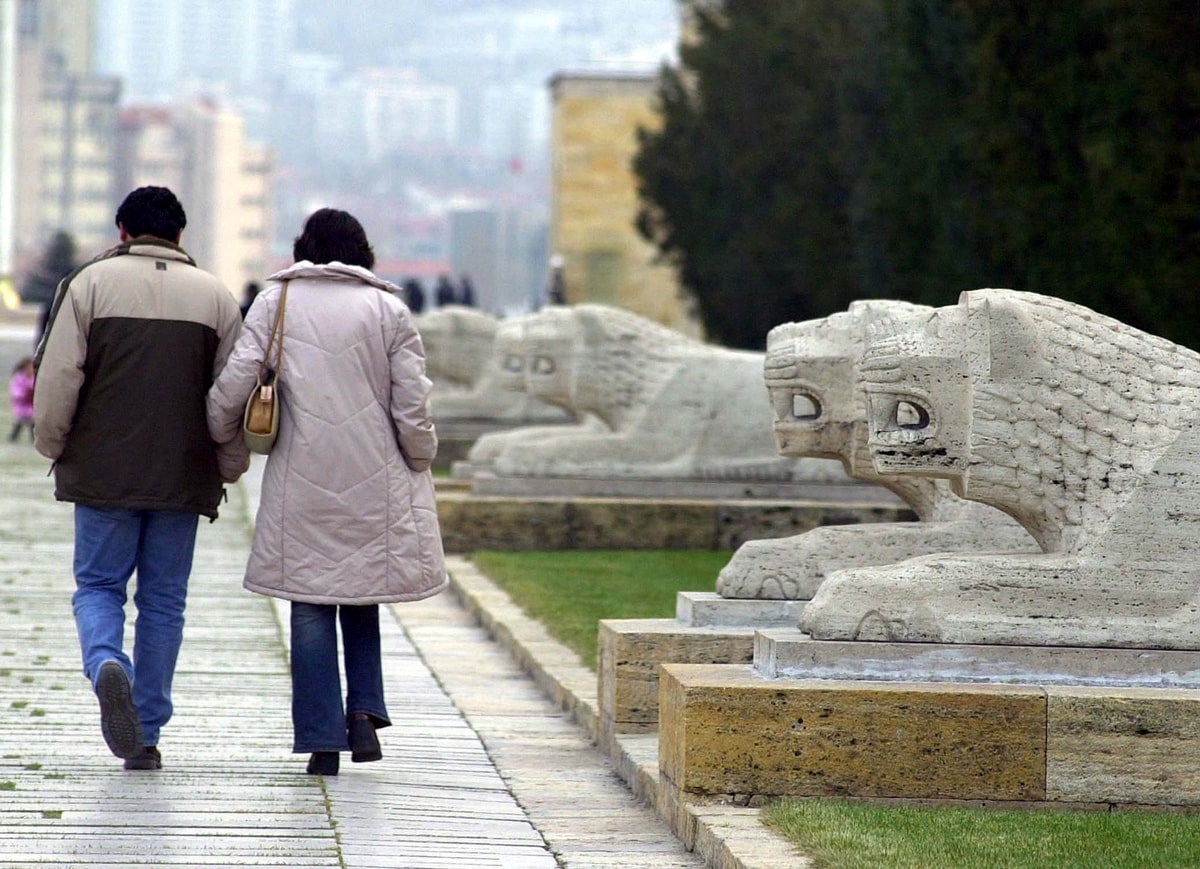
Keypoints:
(66, 120)
(78, 158)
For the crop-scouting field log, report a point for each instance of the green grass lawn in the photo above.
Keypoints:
(840, 835)
(569, 592)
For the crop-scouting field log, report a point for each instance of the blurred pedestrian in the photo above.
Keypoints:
(414, 296)
(444, 293)
(466, 292)
(134, 340)
(57, 262)
(20, 398)
(249, 294)
(347, 518)
(558, 286)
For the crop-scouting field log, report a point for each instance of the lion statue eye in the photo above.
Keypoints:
(514, 363)
(911, 416)
(543, 365)
(805, 407)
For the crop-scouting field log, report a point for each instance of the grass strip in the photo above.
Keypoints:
(842, 835)
(570, 591)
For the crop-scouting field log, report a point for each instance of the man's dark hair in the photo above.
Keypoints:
(152, 211)
(330, 235)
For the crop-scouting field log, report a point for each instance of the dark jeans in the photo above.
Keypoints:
(318, 718)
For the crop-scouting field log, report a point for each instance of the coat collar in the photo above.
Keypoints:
(333, 271)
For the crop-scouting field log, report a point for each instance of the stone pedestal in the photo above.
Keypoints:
(728, 730)
(707, 629)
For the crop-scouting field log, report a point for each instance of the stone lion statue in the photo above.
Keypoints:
(1080, 427)
(465, 352)
(820, 411)
(668, 406)
(509, 361)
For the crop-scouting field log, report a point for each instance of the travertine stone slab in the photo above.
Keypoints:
(789, 653)
(1123, 746)
(699, 609)
(630, 652)
(486, 482)
(726, 729)
(470, 522)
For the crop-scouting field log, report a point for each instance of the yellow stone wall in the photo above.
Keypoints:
(594, 197)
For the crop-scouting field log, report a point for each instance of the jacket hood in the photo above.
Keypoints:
(334, 271)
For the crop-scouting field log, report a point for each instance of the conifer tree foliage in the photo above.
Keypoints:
(816, 152)
(752, 186)
(1084, 124)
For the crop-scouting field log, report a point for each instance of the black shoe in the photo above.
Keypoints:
(364, 744)
(118, 716)
(323, 763)
(149, 758)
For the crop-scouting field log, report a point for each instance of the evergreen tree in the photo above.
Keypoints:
(1085, 124)
(817, 152)
(922, 173)
(753, 186)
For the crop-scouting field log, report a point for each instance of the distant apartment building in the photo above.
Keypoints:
(380, 111)
(78, 151)
(66, 121)
(595, 117)
(224, 182)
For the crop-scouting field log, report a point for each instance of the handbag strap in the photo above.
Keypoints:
(275, 340)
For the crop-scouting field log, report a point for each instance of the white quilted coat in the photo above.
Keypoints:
(347, 514)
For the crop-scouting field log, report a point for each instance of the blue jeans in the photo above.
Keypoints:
(318, 719)
(109, 545)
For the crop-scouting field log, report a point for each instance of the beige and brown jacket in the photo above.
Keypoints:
(137, 337)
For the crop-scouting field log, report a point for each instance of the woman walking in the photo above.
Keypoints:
(347, 518)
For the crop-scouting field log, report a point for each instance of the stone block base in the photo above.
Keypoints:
(728, 730)
(630, 653)
(707, 629)
(470, 522)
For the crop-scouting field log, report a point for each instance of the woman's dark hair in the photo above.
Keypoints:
(152, 211)
(330, 235)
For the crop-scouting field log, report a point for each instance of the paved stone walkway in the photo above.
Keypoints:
(480, 770)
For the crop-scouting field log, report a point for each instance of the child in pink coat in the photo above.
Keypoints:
(20, 396)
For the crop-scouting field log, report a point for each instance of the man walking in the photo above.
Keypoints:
(135, 338)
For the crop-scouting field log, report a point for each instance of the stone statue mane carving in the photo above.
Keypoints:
(671, 407)
(466, 351)
(820, 411)
(1080, 427)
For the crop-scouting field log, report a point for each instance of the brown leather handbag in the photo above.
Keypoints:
(260, 422)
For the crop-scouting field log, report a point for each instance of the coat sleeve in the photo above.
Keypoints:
(234, 381)
(410, 396)
(233, 457)
(60, 375)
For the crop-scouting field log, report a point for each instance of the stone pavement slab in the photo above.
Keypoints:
(479, 769)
